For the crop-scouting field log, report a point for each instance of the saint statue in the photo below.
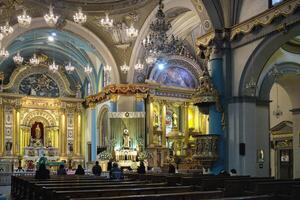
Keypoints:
(126, 139)
(174, 120)
(37, 142)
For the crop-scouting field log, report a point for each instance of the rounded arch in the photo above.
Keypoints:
(261, 54)
(39, 115)
(103, 125)
(80, 31)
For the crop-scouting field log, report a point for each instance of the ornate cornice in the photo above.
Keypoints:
(285, 9)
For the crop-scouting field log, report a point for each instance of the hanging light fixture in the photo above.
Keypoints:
(4, 53)
(107, 22)
(151, 59)
(6, 29)
(277, 113)
(24, 20)
(88, 69)
(18, 59)
(132, 32)
(124, 68)
(69, 68)
(50, 18)
(34, 61)
(53, 67)
(139, 66)
(79, 17)
(107, 68)
(1, 36)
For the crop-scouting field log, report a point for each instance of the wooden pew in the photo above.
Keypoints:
(196, 195)
(255, 197)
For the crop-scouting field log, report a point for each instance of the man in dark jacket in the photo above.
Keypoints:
(97, 169)
(42, 172)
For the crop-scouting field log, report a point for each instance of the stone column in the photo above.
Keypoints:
(215, 117)
(93, 134)
(79, 133)
(163, 122)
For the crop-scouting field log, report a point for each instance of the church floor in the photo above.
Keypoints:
(5, 190)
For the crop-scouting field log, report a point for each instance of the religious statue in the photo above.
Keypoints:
(8, 146)
(126, 139)
(174, 120)
(37, 141)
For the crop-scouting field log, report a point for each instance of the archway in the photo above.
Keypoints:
(103, 127)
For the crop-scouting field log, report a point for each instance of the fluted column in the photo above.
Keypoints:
(150, 121)
(163, 119)
(62, 132)
(16, 131)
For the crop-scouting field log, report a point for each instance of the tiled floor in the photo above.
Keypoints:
(5, 190)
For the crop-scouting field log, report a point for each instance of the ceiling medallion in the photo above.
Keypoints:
(24, 20)
(4, 53)
(50, 18)
(107, 22)
(6, 29)
(107, 68)
(34, 61)
(139, 66)
(69, 68)
(53, 67)
(124, 68)
(88, 69)
(79, 17)
(132, 32)
(18, 59)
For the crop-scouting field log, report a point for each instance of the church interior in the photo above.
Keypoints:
(208, 86)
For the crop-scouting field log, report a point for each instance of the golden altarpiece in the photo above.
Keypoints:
(40, 116)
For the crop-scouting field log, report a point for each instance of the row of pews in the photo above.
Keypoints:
(154, 186)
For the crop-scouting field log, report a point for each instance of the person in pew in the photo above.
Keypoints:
(79, 170)
(223, 173)
(109, 165)
(172, 169)
(42, 172)
(97, 169)
(233, 172)
(115, 172)
(141, 169)
(61, 170)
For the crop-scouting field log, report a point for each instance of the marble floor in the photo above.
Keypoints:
(5, 190)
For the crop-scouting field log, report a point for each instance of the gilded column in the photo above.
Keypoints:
(150, 121)
(79, 133)
(16, 132)
(1, 128)
(185, 107)
(62, 133)
(163, 124)
(75, 119)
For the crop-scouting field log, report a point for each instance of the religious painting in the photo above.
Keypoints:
(177, 77)
(39, 85)
(37, 135)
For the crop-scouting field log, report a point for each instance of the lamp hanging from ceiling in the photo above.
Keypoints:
(50, 18)
(132, 32)
(6, 29)
(124, 68)
(107, 68)
(34, 61)
(4, 53)
(69, 67)
(79, 17)
(88, 69)
(278, 112)
(53, 67)
(139, 66)
(18, 59)
(24, 20)
(106, 22)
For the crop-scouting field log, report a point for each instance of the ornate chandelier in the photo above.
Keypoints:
(69, 67)
(124, 68)
(53, 67)
(4, 53)
(34, 60)
(139, 66)
(132, 32)
(107, 22)
(79, 17)
(151, 59)
(6, 29)
(157, 40)
(24, 20)
(50, 18)
(18, 59)
(88, 69)
(107, 68)
(251, 84)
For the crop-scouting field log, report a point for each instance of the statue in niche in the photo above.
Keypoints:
(126, 139)
(174, 120)
(37, 141)
(156, 119)
(8, 146)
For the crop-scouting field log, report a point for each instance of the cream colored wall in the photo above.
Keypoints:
(251, 8)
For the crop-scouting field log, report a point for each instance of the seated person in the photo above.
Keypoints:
(233, 172)
(172, 169)
(97, 169)
(42, 172)
(141, 169)
(116, 172)
(79, 170)
(61, 170)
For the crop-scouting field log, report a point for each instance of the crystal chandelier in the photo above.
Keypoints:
(151, 59)
(34, 60)
(132, 32)
(50, 18)
(88, 69)
(277, 113)
(69, 67)
(106, 22)
(53, 67)
(139, 66)
(18, 59)
(6, 29)
(251, 84)
(24, 20)
(107, 68)
(4, 53)
(124, 68)
(79, 17)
